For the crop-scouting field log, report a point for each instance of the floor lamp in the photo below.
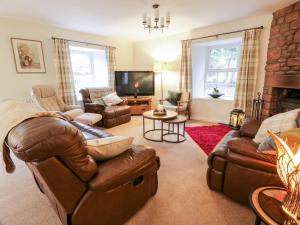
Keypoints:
(161, 68)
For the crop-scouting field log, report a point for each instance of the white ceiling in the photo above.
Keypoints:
(122, 18)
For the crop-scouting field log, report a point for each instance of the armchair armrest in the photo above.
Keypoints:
(123, 168)
(94, 107)
(243, 151)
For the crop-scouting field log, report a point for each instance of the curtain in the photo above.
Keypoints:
(64, 75)
(111, 61)
(186, 67)
(248, 71)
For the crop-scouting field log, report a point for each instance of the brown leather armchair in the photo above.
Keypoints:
(81, 191)
(236, 168)
(111, 115)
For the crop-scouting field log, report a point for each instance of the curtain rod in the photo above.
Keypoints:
(82, 42)
(216, 35)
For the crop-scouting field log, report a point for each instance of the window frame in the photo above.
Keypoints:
(232, 70)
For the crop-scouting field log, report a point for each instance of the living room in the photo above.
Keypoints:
(172, 112)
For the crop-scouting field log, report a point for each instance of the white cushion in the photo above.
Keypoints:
(112, 99)
(276, 124)
(170, 107)
(109, 147)
(88, 118)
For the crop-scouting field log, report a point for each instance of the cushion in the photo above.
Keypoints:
(298, 119)
(109, 147)
(88, 118)
(277, 124)
(112, 99)
(173, 97)
(268, 146)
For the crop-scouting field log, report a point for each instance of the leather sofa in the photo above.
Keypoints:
(111, 115)
(81, 191)
(237, 169)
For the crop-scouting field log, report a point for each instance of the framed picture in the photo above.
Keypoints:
(29, 56)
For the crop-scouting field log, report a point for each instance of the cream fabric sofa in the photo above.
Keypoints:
(46, 97)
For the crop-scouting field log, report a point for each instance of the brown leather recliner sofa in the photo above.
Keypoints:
(81, 191)
(111, 115)
(236, 168)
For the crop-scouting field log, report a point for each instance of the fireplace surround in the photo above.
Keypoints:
(282, 80)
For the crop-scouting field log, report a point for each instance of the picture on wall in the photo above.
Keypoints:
(28, 54)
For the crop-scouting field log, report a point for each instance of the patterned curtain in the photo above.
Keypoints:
(247, 76)
(64, 75)
(111, 60)
(186, 67)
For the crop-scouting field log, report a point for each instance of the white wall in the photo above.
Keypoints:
(168, 49)
(18, 85)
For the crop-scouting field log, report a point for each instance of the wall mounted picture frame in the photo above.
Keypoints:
(28, 55)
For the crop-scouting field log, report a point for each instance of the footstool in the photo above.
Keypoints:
(88, 118)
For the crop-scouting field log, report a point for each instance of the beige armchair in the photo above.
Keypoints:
(46, 97)
(183, 105)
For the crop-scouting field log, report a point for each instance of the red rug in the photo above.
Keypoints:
(207, 137)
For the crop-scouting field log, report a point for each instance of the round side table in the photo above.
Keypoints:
(266, 202)
(149, 115)
(178, 133)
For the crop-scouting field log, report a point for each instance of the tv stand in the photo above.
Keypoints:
(139, 105)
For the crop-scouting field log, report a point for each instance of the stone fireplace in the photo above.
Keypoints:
(282, 81)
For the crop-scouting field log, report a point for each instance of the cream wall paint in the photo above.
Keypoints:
(168, 49)
(18, 85)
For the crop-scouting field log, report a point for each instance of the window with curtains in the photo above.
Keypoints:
(89, 66)
(219, 62)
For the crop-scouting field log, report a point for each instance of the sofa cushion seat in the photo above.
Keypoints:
(116, 111)
(125, 167)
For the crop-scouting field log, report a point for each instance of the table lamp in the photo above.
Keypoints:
(288, 168)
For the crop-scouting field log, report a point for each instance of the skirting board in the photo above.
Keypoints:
(211, 120)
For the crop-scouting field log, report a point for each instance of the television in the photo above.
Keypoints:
(133, 83)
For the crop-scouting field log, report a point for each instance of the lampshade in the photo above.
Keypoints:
(288, 168)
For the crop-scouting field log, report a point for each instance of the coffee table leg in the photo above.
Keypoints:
(144, 126)
(162, 130)
(184, 129)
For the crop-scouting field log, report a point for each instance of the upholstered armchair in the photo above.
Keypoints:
(46, 97)
(112, 115)
(183, 106)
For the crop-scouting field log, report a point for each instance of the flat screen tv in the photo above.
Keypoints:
(132, 83)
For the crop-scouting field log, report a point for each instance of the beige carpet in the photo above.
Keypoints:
(183, 197)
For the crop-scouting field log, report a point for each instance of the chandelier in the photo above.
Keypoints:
(160, 23)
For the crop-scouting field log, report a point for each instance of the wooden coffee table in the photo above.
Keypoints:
(149, 115)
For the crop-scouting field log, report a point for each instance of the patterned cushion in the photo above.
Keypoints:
(174, 97)
(98, 93)
(276, 124)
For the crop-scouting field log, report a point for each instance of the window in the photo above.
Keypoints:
(219, 67)
(89, 67)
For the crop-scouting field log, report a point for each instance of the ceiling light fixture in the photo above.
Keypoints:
(160, 23)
